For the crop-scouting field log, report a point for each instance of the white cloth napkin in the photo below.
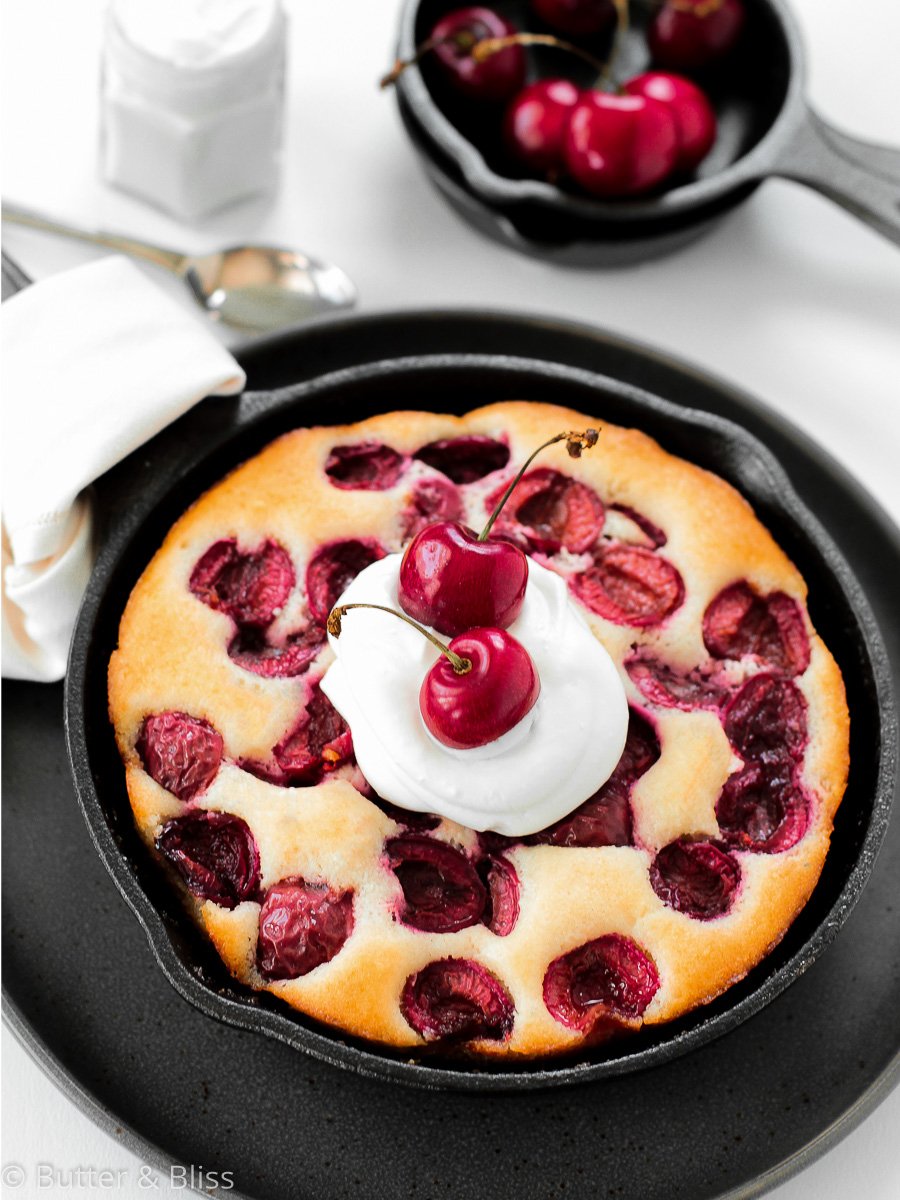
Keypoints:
(95, 362)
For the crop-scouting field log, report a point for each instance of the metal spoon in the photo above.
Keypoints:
(252, 287)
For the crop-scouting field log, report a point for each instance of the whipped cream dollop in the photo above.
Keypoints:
(543, 768)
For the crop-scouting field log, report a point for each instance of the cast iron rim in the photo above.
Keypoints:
(331, 1046)
(525, 228)
(730, 184)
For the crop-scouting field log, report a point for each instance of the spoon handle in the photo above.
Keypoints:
(170, 259)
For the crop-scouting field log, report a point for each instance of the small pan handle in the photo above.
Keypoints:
(861, 176)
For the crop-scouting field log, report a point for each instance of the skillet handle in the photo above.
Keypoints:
(862, 177)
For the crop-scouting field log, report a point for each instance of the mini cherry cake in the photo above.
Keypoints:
(653, 896)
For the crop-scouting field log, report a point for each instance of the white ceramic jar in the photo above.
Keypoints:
(192, 101)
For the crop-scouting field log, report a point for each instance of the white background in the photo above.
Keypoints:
(790, 298)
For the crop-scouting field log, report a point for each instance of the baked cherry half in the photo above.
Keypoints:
(215, 854)
(502, 883)
(364, 466)
(550, 511)
(251, 587)
(284, 660)
(432, 499)
(763, 808)
(301, 926)
(695, 877)
(465, 459)
(629, 585)
(654, 535)
(740, 622)
(333, 567)
(318, 743)
(669, 687)
(482, 686)
(610, 976)
(765, 720)
(442, 891)
(453, 579)
(605, 819)
(456, 999)
(181, 753)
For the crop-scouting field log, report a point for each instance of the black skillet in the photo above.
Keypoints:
(151, 491)
(766, 128)
(727, 1122)
(568, 242)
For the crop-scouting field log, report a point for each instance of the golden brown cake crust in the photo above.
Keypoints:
(172, 656)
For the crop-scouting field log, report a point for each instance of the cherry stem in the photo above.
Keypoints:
(464, 39)
(575, 444)
(697, 8)
(462, 666)
(487, 46)
(704, 9)
(606, 75)
(482, 49)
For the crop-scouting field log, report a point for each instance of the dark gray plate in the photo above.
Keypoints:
(90, 996)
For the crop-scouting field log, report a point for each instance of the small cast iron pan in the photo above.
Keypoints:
(766, 128)
(148, 492)
(568, 242)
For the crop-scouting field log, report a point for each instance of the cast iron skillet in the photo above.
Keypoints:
(568, 241)
(151, 490)
(766, 128)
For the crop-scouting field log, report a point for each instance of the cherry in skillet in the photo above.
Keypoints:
(688, 34)
(482, 686)
(454, 579)
(535, 124)
(620, 145)
(580, 18)
(695, 120)
(493, 78)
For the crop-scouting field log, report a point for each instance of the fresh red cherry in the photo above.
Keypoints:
(482, 686)
(686, 34)
(694, 116)
(579, 17)
(620, 145)
(469, 708)
(535, 123)
(454, 579)
(493, 78)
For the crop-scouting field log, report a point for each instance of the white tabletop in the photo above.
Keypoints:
(790, 298)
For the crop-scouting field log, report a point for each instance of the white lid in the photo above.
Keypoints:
(195, 34)
(196, 55)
